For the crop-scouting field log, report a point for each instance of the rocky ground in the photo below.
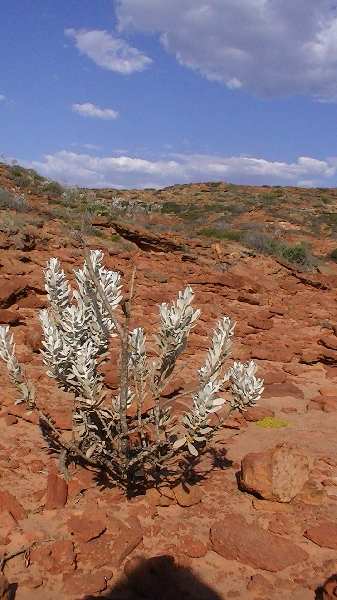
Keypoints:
(271, 535)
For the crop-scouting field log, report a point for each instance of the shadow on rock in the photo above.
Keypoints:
(328, 591)
(157, 578)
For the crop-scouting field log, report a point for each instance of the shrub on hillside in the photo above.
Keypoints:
(52, 188)
(263, 243)
(11, 201)
(333, 255)
(134, 431)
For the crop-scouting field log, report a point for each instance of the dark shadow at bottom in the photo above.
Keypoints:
(328, 590)
(157, 578)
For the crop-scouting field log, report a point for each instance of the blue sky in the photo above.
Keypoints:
(149, 93)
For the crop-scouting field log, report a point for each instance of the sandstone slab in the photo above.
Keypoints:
(235, 539)
(279, 390)
(324, 535)
(85, 528)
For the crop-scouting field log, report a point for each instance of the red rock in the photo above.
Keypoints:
(20, 410)
(272, 377)
(277, 474)
(85, 528)
(328, 390)
(235, 539)
(259, 585)
(111, 374)
(257, 413)
(86, 583)
(279, 390)
(12, 290)
(328, 356)
(56, 558)
(294, 369)
(249, 299)
(33, 338)
(277, 354)
(36, 465)
(282, 525)
(111, 548)
(31, 584)
(255, 275)
(7, 524)
(325, 403)
(10, 420)
(32, 301)
(100, 221)
(85, 477)
(324, 535)
(330, 405)
(156, 277)
(187, 495)
(329, 341)
(329, 589)
(8, 502)
(8, 317)
(277, 309)
(5, 591)
(57, 490)
(236, 421)
(61, 417)
(192, 547)
(260, 323)
(225, 280)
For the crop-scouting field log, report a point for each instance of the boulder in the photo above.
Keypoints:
(277, 474)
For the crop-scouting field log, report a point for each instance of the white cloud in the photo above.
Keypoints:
(109, 52)
(124, 171)
(91, 147)
(90, 110)
(2, 97)
(267, 47)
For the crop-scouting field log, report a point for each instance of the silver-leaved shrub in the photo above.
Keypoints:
(134, 431)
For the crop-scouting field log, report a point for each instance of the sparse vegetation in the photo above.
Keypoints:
(13, 201)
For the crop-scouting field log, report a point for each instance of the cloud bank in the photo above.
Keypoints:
(109, 52)
(124, 171)
(266, 47)
(90, 110)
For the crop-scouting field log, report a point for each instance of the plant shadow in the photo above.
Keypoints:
(157, 578)
(185, 469)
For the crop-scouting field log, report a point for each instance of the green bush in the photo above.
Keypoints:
(333, 255)
(297, 254)
(172, 207)
(52, 188)
(234, 234)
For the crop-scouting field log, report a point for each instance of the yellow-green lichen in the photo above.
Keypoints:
(272, 422)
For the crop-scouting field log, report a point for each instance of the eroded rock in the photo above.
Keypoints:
(277, 474)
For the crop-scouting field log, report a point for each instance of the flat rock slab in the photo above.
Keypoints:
(324, 535)
(234, 539)
(279, 390)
